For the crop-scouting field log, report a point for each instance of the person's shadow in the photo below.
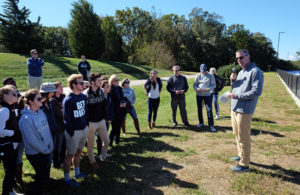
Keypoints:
(284, 174)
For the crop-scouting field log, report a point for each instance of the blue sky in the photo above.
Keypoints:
(266, 16)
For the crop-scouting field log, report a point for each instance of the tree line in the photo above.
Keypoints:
(135, 36)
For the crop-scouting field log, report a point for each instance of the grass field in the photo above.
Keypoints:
(190, 160)
(59, 68)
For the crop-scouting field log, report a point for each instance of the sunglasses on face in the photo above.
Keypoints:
(80, 83)
(35, 53)
(116, 80)
(39, 99)
(240, 58)
(176, 70)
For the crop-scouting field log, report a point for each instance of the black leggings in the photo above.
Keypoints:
(152, 107)
(9, 158)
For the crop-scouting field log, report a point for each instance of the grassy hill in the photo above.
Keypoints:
(59, 68)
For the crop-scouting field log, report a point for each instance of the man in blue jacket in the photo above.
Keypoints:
(246, 88)
(35, 75)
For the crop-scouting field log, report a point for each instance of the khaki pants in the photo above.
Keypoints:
(241, 125)
(35, 82)
(99, 127)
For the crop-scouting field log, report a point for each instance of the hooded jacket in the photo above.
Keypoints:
(35, 132)
(204, 81)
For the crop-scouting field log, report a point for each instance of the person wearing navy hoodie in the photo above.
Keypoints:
(76, 123)
(37, 139)
(9, 134)
(35, 75)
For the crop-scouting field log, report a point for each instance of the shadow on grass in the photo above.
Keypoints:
(263, 120)
(254, 132)
(284, 174)
(131, 69)
(61, 63)
(136, 169)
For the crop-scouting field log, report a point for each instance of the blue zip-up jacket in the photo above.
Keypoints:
(35, 132)
(35, 67)
(75, 113)
(247, 88)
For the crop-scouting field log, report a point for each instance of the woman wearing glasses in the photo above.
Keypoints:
(9, 136)
(130, 95)
(37, 139)
(153, 88)
(119, 109)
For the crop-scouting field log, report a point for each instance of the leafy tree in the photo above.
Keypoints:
(85, 35)
(18, 34)
(56, 41)
(136, 26)
(113, 40)
(155, 54)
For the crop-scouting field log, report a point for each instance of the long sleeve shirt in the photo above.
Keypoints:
(129, 94)
(176, 84)
(75, 113)
(204, 81)
(35, 67)
(247, 88)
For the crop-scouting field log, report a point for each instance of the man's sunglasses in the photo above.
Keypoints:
(80, 83)
(240, 58)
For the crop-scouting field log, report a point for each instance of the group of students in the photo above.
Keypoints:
(54, 128)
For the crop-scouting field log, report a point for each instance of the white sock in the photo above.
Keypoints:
(77, 170)
(67, 176)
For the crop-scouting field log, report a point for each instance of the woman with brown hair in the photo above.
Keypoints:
(153, 88)
(9, 136)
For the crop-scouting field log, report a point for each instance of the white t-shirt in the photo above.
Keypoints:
(154, 93)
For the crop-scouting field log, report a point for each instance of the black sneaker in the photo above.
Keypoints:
(187, 124)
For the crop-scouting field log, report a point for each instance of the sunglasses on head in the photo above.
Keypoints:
(240, 58)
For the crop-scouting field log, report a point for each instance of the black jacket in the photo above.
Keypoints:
(219, 84)
(11, 124)
(49, 112)
(96, 102)
(148, 83)
(117, 97)
(175, 84)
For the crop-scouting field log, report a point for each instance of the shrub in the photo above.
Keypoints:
(225, 71)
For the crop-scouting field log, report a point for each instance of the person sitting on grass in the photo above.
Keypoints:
(37, 139)
(76, 122)
(130, 95)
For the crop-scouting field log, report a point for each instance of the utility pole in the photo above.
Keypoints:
(278, 49)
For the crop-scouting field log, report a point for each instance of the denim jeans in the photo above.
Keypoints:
(208, 105)
(214, 98)
(152, 108)
(132, 113)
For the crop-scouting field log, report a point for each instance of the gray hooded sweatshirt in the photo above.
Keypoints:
(35, 132)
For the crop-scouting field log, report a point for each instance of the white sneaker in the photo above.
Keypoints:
(212, 129)
(101, 158)
(217, 117)
(200, 125)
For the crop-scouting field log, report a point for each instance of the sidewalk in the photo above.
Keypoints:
(138, 82)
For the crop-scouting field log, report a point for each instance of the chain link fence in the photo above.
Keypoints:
(291, 80)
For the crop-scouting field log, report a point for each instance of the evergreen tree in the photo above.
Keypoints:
(85, 34)
(17, 33)
(113, 39)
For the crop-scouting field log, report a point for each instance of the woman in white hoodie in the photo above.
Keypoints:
(37, 139)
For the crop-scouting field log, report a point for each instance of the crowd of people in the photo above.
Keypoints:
(54, 127)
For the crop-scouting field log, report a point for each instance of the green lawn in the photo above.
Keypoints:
(59, 68)
(190, 160)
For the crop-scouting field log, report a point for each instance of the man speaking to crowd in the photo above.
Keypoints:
(246, 88)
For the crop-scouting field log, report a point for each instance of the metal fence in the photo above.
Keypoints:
(291, 80)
